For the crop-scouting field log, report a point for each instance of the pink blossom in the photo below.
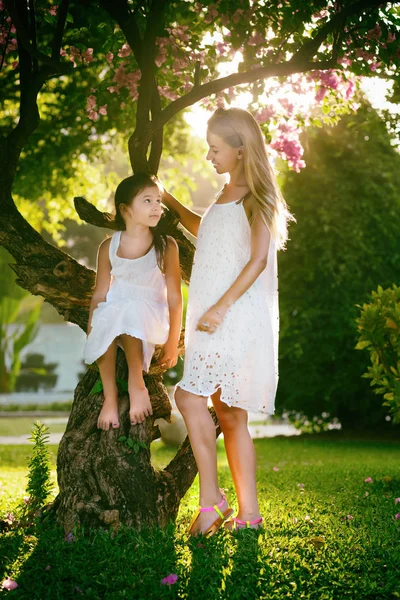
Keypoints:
(288, 145)
(91, 102)
(53, 10)
(275, 468)
(63, 52)
(375, 66)
(237, 15)
(47, 568)
(397, 500)
(346, 62)
(320, 15)
(93, 115)
(397, 516)
(87, 56)
(263, 115)
(391, 37)
(161, 57)
(109, 57)
(103, 110)
(9, 584)
(26, 499)
(124, 51)
(9, 518)
(111, 89)
(301, 486)
(375, 33)
(14, 64)
(170, 579)
(351, 87)
(368, 480)
(350, 517)
(329, 79)
(320, 95)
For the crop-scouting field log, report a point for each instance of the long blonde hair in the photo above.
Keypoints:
(237, 127)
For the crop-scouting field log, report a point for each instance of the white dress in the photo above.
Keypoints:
(136, 304)
(241, 357)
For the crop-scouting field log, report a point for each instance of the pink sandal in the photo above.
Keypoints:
(222, 516)
(235, 523)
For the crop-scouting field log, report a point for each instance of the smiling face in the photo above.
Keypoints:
(145, 208)
(224, 158)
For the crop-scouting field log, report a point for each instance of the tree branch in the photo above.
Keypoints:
(24, 40)
(58, 35)
(213, 87)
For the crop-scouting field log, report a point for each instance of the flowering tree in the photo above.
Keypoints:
(133, 67)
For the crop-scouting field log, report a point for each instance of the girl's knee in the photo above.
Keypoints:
(231, 417)
(180, 397)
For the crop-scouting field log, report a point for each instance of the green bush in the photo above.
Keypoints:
(345, 243)
(379, 328)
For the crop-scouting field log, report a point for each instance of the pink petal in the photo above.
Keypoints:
(397, 516)
(368, 480)
(170, 579)
(397, 500)
(275, 469)
(301, 486)
(9, 584)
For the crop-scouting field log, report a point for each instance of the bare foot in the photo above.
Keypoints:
(108, 414)
(140, 404)
(205, 519)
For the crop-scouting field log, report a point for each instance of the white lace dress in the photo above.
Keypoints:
(136, 304)
(241, 357)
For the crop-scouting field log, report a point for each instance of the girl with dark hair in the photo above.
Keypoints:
(137, 300)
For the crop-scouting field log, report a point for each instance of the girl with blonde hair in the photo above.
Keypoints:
(232, 323)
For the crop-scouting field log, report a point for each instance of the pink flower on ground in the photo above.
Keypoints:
(301, 486)
(47, 568)
(275, 468)
(70, 537)
(368, 480)
(350, 517)
(170, 579)
(397, 516)
(103, 110)
(397, 500)
(9, 584)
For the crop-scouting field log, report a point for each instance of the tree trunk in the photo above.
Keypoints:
(103, 482)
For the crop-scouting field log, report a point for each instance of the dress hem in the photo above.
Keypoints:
(187, 388)
(132, 333)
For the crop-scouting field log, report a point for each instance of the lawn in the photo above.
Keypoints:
(335, 536)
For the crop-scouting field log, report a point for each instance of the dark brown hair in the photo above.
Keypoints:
(125, 193)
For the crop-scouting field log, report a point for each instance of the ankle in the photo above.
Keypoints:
(211, 499)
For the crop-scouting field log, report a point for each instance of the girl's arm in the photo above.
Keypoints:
(189, 219)
(260, 239)
(103, 278)
(169, 354)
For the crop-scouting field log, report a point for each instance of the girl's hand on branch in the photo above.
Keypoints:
(212, 319)
(169, 356)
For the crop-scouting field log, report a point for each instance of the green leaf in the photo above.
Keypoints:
(130, 442)
(70, 18)
(123, 384)
(122, 438)
(98, 387)
(136, 448)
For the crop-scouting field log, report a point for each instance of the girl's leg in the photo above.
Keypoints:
(241, 456)
(201, 431)
(140, 405)
(109, 412)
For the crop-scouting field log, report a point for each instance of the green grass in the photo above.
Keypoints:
(359, 559)
(24, 425)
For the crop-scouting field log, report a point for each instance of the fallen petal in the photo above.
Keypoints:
(275, 468)
(397, 500)
(9, 584)
(368, 480)
(170, 579)
(397, 516)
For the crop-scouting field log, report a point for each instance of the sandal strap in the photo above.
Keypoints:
(216, 507)
(248, 523)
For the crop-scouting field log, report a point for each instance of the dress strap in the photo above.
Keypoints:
(115, 239)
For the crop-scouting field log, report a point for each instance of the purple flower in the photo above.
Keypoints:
(70, 537)
(170, 579)
(397, 516)
(397, 500)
